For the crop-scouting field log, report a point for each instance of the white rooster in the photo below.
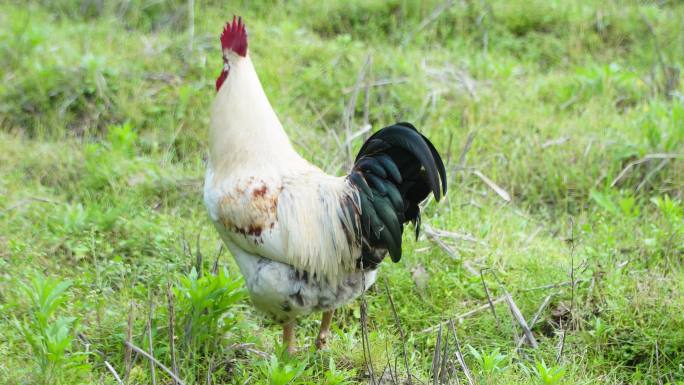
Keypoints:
(304, 240)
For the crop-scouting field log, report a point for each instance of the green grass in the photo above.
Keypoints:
(103, 122)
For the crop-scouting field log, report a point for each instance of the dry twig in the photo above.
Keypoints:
(436, 358)
(521, 321)
(466, 148)
(645, 159)
(535, 318)
(401, 331)
(554, 285)
(248, 347)
(149, 339)
(450, 234)
(129, 336)
(155, 362)
(25, 202)
(465, 315)
(114, 373)
(364, 332)
(172, 327)
(459, 355)
(555, 142)
(498, 190)
(489, 298)
(431, 18)
(348, 117)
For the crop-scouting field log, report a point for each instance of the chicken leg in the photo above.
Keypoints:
(289, 337)
(324, 332)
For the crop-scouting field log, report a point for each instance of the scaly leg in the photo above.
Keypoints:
(322, 339)
(289, 337)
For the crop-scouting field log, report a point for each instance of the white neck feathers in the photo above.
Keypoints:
(244, 127)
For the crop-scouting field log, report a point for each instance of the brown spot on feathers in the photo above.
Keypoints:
(249, 208)
(260, 192)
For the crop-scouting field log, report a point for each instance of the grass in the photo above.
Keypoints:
(104, 238)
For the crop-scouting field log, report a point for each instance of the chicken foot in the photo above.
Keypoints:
(289, 338)
(324, 332)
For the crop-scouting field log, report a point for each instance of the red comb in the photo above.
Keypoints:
(234, 37)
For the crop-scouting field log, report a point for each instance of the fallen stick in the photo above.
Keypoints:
(465, 315)
(401, 332)
(459, 355)
(521, 320)
(154, 361)
(645, 159)
(554, 285)
(535, 319)
(446, 248)
(450, 234)
(113, 371)
(497, 189)
(436, 359)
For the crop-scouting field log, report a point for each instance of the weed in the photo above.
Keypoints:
(491, 363)
(279, 371)
(206, 305)
(51, 337)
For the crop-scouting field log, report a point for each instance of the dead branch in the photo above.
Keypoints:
(114, 373)
(466, 149)
(670, 74)
(191, 24)
(521, 320)
(401, 331)
(572, 289)
(446, 248)
(129, 335)
(248, 347)
(535, 318)
(553, 285)
(459, 355)
(149, 339)
(489, 298)
(155, 362)
(364, 332)
(498, 190)
(465, 315)
(378, 83)
(25, 202)
(651, 173)
(348, 117)
(645, 159)
(436, 358)
(555, 142)
(199, 257)
(561, 344)
(172, 327)
(451, 235)
(445, 359)
(431, 18)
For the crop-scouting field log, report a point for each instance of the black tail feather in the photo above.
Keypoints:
(395, 170)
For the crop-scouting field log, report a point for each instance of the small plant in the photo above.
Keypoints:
(548, 375)
(122, 138)
(282, 372)
(51, 337)
(623, 206)
(204, 305)
(600, 333)
(333, 376)
(489, 363)
(669, 235)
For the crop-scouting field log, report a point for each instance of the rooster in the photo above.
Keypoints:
(306, 241)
